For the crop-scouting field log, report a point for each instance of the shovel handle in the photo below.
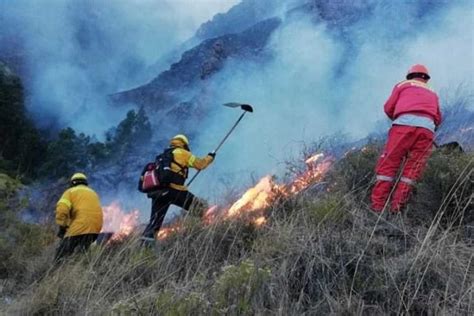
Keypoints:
(194, 177)
(222, 142)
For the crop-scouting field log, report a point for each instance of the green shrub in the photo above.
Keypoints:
(328, 209)
(237, 286)
(167, 303)
(19, 241)
(355, 171)
(445, 189)
(8, 187)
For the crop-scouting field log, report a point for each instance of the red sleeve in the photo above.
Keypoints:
(389, 106)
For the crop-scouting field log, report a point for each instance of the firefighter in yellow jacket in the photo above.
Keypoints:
(177, 193)
(79, 216)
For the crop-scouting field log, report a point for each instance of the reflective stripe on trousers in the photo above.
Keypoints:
(384, 178)
(408, 180)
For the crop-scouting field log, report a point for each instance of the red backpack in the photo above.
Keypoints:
(158, 175)
(149, 180)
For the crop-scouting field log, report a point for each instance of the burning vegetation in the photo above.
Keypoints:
(324, 257)
(317, 253)
(252, 205)
(117, 223)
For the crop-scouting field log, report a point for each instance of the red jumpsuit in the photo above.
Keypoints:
(414, 109)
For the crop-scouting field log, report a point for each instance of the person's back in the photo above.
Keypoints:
(85, 214)
(183, 160)
(79, 216)
(411, 102)
(415, 113)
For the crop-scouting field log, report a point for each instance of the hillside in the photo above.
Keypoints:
(100, 88)
(21, 144)
(320, 252)
(199, 63)
(245, 32)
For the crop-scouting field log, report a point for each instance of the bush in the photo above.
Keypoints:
(239, 288)
(329, 209)
(445, 191)
(21, 244)
(354, 173)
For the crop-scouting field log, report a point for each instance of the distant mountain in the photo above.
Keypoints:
(243, 32)
(240, 17)
(199, 63)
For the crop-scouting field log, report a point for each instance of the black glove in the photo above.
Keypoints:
(61, 232)
(213, 155)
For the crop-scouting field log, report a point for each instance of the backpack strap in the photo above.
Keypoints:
(181, 167)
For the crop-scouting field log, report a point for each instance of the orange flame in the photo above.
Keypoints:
(314, 158)
(266, 191)
(316, 167)
(118, 222)
(165, 232)
(253, 202)
(260, 221)
(255, 198)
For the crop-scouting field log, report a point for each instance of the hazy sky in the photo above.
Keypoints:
(194, 12)
(299, 96)
(78, 52)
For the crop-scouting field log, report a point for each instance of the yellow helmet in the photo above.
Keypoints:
(181, 137)
(78, 176)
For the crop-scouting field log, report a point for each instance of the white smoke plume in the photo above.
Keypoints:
(78, 52)
(312, 89)
(315, 84)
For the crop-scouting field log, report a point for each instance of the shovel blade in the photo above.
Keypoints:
(244, 107)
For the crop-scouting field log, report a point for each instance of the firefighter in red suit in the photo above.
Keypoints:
(414, 110)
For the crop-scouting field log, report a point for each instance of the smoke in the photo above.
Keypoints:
(75, 53)
(320, 83)
(322, 78)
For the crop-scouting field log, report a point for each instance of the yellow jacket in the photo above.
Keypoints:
(79, 209)
(187, 160)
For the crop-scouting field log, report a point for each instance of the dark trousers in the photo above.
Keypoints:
(71, 244)
(161, 201)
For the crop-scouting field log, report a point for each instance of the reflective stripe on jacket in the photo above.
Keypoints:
(186, 159)
(79, 208)
(413, 97)
(416, 121)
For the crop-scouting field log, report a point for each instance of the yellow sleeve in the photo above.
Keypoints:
(199, 163)
(63, 209)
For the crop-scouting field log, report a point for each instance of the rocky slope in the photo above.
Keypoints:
(244, 32)
(199, 63)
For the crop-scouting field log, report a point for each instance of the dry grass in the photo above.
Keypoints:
(320, 254)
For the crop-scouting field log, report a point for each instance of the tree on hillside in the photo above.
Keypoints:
(131, 133)
(67, 154)
(72, 152)
(21, 145)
